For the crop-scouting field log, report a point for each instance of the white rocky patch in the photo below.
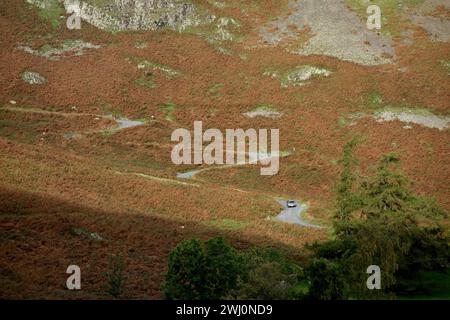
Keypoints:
(304, 73)
(336, 32)
(265, 112)
(73, 47)
(409, 116)
(33, 78)
(437, 27)
(133, 15)
(299, 76)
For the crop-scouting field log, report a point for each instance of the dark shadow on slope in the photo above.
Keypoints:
(40, 236)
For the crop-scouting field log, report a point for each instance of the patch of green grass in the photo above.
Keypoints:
(45, 49)
(105, 133)
(265, 107)
(428, 147)
(374, 100)
(302, 288)
(227, 224)
(224, 50)
(108, 108)
(217, 4)
(168, 109)
(343, 121)
(51, 12)
(146, 81)
(215, 89)
(100, 3)
(446, 65)
(148, 163)
(350, 119)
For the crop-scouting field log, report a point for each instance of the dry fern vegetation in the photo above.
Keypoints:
(76, 189)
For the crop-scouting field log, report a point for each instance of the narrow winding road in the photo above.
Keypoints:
(288, 215)
(294, 215)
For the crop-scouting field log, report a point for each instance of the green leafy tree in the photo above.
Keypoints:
(327, 280)
(380, 221)
(201, 270)
(267, 275)
(223, 267)
(267, 281)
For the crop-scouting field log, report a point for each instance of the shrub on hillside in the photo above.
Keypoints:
(202, 271)
(115, 275)
(215, 270)
(267, 275)
(327, 280)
